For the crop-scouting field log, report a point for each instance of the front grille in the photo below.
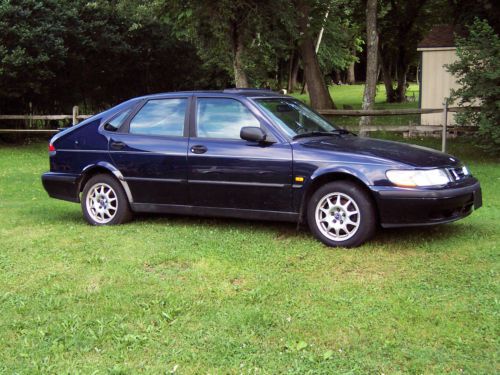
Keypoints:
(456, 174)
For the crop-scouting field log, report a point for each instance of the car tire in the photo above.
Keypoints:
(104, 201)
(341, 214)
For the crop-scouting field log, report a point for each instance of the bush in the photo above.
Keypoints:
(478, 73)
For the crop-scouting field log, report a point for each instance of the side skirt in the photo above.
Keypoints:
(215, 212)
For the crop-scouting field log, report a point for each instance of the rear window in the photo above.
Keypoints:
(163, 117)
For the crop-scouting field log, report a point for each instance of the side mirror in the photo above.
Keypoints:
(252, 134)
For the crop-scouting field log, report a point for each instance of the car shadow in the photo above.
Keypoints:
(233, 223)
(416, 236)
(413, 236)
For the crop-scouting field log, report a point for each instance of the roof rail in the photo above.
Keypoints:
(236, 90)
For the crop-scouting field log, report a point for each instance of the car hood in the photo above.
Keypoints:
(413, 155)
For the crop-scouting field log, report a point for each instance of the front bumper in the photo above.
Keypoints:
(62, 186)
(401, 207)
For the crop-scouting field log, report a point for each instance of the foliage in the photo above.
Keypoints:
(341, 40)
(56, 54)
(32, 49)
(402, 24)
(478, 73)
(229, 296)
(269, 31)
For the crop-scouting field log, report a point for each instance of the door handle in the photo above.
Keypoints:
(199, 149)
(117, 145)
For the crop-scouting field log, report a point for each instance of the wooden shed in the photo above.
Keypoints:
(437, 49)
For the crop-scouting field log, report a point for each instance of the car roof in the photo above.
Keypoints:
(246, 92)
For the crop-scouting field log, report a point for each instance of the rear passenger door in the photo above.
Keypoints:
(150, 150)
(228, 172)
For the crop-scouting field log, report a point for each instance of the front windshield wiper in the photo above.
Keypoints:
(335, 132)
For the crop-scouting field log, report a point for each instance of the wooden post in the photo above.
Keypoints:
(75, 115)
(31, 115)
(445, 124)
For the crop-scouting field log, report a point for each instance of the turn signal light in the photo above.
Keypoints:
(51, 148)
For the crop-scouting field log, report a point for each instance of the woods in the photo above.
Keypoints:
(55, 54)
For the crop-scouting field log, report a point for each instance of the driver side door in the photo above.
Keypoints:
(225, 171)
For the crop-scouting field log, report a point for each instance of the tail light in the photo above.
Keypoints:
(51, 148)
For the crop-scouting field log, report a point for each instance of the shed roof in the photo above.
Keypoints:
(440, 36)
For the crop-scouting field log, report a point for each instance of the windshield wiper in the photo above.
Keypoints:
(335, 133)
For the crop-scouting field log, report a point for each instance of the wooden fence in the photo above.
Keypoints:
(410, 129)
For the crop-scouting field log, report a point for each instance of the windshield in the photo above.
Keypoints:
(294, 117)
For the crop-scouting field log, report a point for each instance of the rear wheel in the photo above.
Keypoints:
(104, 202)
(340, 213)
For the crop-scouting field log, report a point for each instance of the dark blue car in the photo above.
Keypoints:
(252, 154)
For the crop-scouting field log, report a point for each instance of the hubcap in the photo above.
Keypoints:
(337, 216)
(102, 203)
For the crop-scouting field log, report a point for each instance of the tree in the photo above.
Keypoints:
(402, 24)
(371, 61)
(32, 51)
(318, 91)
(55, 54)
(226, 31)
(341, 42)
(478, 73)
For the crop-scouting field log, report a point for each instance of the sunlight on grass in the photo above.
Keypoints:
(232, 296)
(352, 96)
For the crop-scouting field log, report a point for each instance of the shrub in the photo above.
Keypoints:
(478, 73)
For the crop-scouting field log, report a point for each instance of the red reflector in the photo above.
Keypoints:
(51, 148)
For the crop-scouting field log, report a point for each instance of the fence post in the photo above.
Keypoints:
(445, 124)
(31, 115)
(75, 115)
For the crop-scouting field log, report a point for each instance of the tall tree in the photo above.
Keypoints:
(402, 24)
(227, 33)
(371, 60)
(318, 91)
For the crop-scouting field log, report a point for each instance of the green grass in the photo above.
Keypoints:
(228, 296)
(352, 95)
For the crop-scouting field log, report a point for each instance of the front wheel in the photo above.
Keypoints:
(340, 213)
(104, 202)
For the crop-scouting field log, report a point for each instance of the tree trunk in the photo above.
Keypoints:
(294, 71)
(351, 77)
(387, 77)
(401, 89)
(318, 91)
(402, 71)
(371, 61)
(338, 77)
(240, 77)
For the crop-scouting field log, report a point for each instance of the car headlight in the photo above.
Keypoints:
(413, 178)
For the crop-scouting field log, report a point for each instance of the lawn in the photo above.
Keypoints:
(352, 95)
(189, 295)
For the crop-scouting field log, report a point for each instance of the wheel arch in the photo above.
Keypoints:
(106, 168)
(321, 178)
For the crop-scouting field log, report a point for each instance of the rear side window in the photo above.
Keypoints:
(222, 118)
(160, 117)
(116, 122)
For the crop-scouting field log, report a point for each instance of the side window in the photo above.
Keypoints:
(160, 117)
(116, 122)
(222, 118)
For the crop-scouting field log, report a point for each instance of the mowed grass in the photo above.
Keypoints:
(191, 295)
(352, 95)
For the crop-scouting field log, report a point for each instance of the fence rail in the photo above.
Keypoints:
(385, 112)
(410, 129)
(42, 117)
